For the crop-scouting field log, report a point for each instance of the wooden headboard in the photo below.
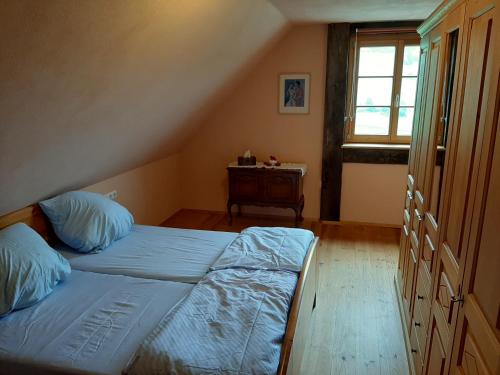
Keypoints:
(32, 216)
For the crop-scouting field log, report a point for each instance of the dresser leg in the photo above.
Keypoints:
(301, 218)
(229, 213)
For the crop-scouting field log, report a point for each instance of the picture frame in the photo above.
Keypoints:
(294, 93)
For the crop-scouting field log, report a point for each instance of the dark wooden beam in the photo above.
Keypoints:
(375, 156)
(385, 25)
(335, 105)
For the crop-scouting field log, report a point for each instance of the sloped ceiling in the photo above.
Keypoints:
(355, 10)
(89, 89)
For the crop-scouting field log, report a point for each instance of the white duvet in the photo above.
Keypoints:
(272, 248)
(233, 322)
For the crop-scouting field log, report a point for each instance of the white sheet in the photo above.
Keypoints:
(159, 253)
(233, 323)
(91, 323)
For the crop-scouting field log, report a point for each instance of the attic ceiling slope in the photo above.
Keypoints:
(89, 89)
(326, 11)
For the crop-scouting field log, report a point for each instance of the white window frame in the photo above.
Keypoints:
(391, 39)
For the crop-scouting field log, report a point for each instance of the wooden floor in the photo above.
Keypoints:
(356, 328)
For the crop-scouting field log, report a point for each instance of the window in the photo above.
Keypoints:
(383, 88)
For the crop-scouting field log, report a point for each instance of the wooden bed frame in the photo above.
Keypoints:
(298, 328)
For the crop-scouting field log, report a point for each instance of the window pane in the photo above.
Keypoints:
(376, 61)
(410, 60)
(405, 121)
(374, 91)
(372, 121)
(408, 92)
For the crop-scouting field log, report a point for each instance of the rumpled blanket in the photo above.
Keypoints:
(232, 322)
(273, 248)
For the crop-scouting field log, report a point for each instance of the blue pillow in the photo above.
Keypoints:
(29, 268)
(87, 221)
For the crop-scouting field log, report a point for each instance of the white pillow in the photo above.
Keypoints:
(29, 268)
(87, 221)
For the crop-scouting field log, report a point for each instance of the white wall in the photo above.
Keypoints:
(151, 193)
(91, 89)
(373, 193)
(249, 119)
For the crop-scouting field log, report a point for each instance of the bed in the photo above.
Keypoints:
(297, 327)
(182, 255)
(91, 323)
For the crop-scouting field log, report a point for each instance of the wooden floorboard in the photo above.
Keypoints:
(356, 327)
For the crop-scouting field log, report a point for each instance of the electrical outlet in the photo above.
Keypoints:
(112, 195)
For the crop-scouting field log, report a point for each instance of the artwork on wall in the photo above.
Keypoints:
(294, 93)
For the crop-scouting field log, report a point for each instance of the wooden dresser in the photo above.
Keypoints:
(449, 263)
(266, 187)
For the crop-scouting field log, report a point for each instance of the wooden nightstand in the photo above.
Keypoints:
(267, 187)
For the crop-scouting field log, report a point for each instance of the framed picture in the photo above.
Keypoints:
(294, 93)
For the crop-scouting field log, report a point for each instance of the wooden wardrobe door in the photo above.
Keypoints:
(437, 164)
(477, 341)
(418, 326)
(419, 114)
(462, 172)
(405, 255)
(428, 115)
(438, 158)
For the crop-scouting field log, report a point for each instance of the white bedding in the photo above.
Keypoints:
(91, 323)
(233, 322)
(159, 253)
(267, 248)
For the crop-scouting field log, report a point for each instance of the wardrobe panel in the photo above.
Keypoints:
(452, 210)
(436, 354)
(473, 93)
(429, 116)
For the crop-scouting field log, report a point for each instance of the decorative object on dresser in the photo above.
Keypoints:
(294, 93)
(447, 280)
(273, 162)
(247, 159)
(260, 185)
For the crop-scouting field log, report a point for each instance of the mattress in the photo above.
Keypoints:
(91, 323)
(182, 255)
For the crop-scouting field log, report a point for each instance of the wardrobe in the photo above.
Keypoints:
(448, 279)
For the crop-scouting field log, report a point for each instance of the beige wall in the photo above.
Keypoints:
(249, 119)
(151, 193)
(373, 193)
(90, 89)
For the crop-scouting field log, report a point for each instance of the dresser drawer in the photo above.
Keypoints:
(437, 355)
(422, 296)
(243, 185)
(424, 281)
(420, 330)
(283, 187)
(416, 352)
(412, 265)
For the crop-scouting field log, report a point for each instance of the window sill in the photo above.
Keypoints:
(375, 153)
(375, 146)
